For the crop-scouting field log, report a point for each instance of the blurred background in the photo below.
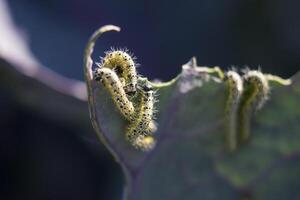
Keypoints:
(48, 149)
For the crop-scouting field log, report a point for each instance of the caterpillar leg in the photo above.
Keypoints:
(111, 81)
(259, 85)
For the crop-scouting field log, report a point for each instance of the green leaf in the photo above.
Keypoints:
(190, 160)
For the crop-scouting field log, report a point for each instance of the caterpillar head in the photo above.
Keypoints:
(98, 74)
(144, 143)
(130, 89)
(256, 77)
(144, 86)
(119, 70)
(234, 80)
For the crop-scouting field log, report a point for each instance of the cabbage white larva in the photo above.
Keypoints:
(143, 125)
(256, 90)
(234, 88)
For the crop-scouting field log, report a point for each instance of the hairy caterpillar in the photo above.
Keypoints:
(111, 81)
(125, 67)
(140, 114)
(138, 132)
(146, 109)
(256, 90)
(234, 88)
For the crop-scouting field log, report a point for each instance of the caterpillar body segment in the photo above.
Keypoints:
(234, 87)
(139, 139)
(125, 67)
(147, 106)
(113, 84)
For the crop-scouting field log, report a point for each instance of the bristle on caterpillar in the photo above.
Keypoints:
(234, 87)
(256, 90)
(125, 67)
(110, 80)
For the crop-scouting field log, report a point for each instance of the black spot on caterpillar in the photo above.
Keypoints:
(125, 67)
(255, 94)
(111, 81)
(234, 86)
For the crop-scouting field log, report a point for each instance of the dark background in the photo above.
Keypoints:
(165, 34)
(44, 158)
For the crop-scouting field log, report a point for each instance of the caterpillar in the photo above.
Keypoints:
(234, 86)
(125, 67)
(139, 114)
(111, 81)
(146, 109)
(144, 125)
(255, 94)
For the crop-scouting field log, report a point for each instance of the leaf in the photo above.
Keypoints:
(190, 160)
